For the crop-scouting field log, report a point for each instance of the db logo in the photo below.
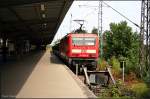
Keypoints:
(83, 51)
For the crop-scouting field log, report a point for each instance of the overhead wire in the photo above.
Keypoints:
(122, 15)
(115, 11)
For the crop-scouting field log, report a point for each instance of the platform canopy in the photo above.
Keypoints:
(35, 20)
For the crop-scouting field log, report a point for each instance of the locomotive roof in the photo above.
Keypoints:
(82, 35)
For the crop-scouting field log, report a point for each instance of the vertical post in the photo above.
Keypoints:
(77, 69)
(143, 29)
(100, 23)
(98, 19)
(148, 22)
(99, 26)
(123, 71)
(101, 36)
(147, 35)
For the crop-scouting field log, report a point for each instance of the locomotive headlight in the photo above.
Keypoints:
(76, 50)
(91, 51)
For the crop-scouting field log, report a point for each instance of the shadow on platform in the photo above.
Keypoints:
(54, 59)
(14, 75)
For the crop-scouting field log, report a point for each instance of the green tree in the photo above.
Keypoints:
(108, 46)
(119, 38)
(121, 41)
(133, 53)
(94, 31)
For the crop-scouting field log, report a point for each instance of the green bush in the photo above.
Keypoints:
(146, 95)
(105, 93)
(114, 62)
(118, 91)
(131, 66)
(147, 77)
(99, 61)
(139, 89)
(115, 92)
(102, 64)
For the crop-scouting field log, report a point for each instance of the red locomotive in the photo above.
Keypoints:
(81, 49)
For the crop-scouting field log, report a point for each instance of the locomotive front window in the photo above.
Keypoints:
(83, 41)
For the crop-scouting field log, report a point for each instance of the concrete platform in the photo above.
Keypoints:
(42, 75)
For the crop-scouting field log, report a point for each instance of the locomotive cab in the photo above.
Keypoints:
(81, 49)
(84, 50)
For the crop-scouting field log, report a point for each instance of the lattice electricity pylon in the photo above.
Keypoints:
(100, 26)
(148, 37)
(144, 54)
(149, 33)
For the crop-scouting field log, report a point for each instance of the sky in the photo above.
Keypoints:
(88, 11)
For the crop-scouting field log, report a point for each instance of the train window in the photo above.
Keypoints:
(77, 41)
(83, 41)
(90, 41)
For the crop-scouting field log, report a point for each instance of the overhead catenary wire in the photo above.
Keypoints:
(122, 15)
(117, 12)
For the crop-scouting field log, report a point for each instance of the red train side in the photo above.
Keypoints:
(81, 49)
